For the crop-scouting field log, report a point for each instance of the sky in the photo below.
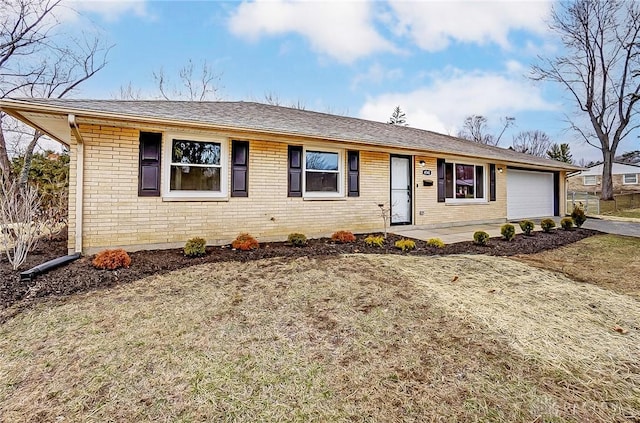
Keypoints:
(440, 61)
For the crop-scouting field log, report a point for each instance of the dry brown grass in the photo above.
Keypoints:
(357, 338)
(609, 261)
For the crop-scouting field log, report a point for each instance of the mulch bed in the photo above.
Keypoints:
(80, 276)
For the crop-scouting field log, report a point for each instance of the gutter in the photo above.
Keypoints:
(79, 181)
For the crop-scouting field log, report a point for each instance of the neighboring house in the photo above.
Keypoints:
(626, 178)
(152, 174)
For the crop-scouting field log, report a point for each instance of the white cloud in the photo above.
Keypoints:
(108, 9)
(342, 30)
(376, 74)
(434, 25)
(449, 98)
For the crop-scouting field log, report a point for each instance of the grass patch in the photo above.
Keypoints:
(609, 261)
(460, 338)
(634, 213)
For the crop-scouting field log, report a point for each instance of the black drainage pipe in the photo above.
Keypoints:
(30, 274)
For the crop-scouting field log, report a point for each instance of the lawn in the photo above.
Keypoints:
(633, 213)
(342, 338)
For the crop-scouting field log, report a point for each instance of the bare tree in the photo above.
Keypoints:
(37, 61)
(201, 84)
(535, 142)
(476, 129)
(600, 71)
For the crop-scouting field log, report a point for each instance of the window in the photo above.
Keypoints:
(590, 180)
(196, 167)
(630, 178)
(464, 181)
(322, 173)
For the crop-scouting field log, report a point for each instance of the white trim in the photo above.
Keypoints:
(341, 174)
(191, 195)
(485, 185)
(585, 183)
(624, 179)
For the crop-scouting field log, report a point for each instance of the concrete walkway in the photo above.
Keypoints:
(455, 234)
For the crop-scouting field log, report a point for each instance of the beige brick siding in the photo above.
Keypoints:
(576, 183)
(115, 216)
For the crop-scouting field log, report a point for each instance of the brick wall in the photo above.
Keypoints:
(576, 183)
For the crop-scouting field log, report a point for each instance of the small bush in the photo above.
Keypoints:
(435, 242)
(297, 239)
(195, 247)
(374, 241)
(405, 244)
(547, 225)
(245, 242)
(111, 259)
(527, 227)
(508, 231)
(481, 238)
(343, 237)
(566, 223)
(578, 216)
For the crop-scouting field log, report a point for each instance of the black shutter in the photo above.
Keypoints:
(149, 164)
(353, 160)
(295, 171)
(479, 181)
(492, 182)
(240, 168)
(448, 180)
(441, 181)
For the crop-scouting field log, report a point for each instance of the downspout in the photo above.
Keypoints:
(79, 180)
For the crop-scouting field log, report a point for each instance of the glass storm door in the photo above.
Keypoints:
(400, 190)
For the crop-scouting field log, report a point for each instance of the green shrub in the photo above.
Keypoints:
(111, 259)
(527, 227)
(195, 247)
(343, 237)
(405, 244)
(245, 242)
(481, 238)
(566, 223)
(508, 231)
(435, 242)
(297, 239)
(547, 225)
(374, 241)
(578, 216)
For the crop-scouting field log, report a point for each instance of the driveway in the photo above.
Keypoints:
(614, 227)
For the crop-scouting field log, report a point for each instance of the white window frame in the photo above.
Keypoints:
(485, 184)
(624, 179)
(193, 194)
(341, 174)
(585, 183)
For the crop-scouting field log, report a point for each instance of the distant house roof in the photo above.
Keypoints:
(262, 118)
(617, 169)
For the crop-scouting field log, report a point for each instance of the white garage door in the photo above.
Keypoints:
(529, 194)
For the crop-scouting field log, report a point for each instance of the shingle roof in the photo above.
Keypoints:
(287, 121)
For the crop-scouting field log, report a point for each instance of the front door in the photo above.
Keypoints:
(400, 190)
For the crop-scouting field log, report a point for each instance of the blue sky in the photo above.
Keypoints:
(439, 61)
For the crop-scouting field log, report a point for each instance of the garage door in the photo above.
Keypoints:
(529, 194)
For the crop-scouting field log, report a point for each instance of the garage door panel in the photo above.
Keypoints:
(529, 194)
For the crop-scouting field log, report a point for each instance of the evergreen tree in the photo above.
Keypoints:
(560, 152)
(398, 117)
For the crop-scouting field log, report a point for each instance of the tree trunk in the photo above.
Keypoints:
(5, 164)
(607, 182)
(28, 156)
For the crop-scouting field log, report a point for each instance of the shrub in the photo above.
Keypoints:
(566, 223)
(343, 237)
(508, 231)
(297, 239)
(527, 227)
(245, 242)
(374, 241)
(481, 238)
(195, 247)
(111, 259)
(435, 242)
(547, 225)
(578, 216)
(405, 244)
